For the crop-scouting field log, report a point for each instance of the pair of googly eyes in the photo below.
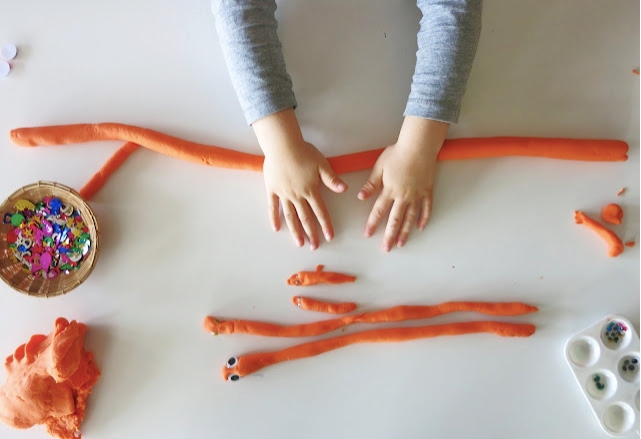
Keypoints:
(232, 362)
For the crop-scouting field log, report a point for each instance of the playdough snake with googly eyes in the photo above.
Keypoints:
(238, 367)
(453, 149)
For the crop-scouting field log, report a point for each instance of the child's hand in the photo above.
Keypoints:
(405, 171)
(292, 170)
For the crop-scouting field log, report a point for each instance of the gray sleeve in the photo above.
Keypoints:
(447, 42)
(252, 50)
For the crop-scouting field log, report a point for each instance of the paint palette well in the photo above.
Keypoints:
(605, 361)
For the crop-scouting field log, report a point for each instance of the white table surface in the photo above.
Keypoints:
(181, 241)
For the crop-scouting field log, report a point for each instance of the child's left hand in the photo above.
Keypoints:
(405, 171)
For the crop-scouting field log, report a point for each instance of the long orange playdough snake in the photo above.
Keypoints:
(453, 149)
(395, 314)
(238, 367)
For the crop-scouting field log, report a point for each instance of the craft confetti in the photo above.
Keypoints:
(48, 237)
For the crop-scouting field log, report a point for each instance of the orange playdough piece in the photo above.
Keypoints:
(100, 178)
(309, 304)
(394, 314)
(621, 192)
(612, 213)
(453, 149)
(238, 367)
(48, 381)
(307, 278)
(630, 244)
(614, 243)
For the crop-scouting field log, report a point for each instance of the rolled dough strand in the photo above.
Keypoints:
(100, 178)
(154, 140)
(614, 243)
(242, 366)
(453, 149)
(307, 278)
(394, 314)
(612, 213)
(309, 304)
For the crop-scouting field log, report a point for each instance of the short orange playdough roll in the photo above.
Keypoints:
(614, 243)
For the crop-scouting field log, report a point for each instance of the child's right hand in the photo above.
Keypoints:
(292, 170)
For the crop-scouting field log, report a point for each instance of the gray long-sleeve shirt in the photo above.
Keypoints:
(447, 42)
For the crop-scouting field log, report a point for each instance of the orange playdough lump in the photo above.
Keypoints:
(612, 213)
(49, 380)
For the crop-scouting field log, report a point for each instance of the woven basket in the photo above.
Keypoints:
(11, 272)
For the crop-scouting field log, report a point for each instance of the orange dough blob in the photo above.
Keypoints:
(49, 379)
(612, 213)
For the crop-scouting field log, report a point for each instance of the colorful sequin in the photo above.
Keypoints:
(48, 237)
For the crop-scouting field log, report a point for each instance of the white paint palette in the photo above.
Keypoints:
(605, 361)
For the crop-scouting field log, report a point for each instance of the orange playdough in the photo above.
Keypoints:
(612, 213)
(453, 149)
(395, 314)
(100, 178)
(309, 304)
(307, 278)
(238, 367)
(614, 243)
(49, 380)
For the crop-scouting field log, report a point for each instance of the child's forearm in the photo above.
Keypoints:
(422, 135)
(247, 33)
(447, 43)
(278, 131)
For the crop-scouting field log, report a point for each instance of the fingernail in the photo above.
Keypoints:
(367, 233)
(401, 244)
(387, 247)
(361, 194)
(328, 237)
(298, 242)
(342, 186)
(313, 246)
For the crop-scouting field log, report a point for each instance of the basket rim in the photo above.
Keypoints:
(17, 194)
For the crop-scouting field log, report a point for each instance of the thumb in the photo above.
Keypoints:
(331, 180)
(372, 184)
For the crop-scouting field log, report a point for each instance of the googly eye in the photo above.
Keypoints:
(297, 282)
(232, 362)
(298, 302)
(233, 377)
